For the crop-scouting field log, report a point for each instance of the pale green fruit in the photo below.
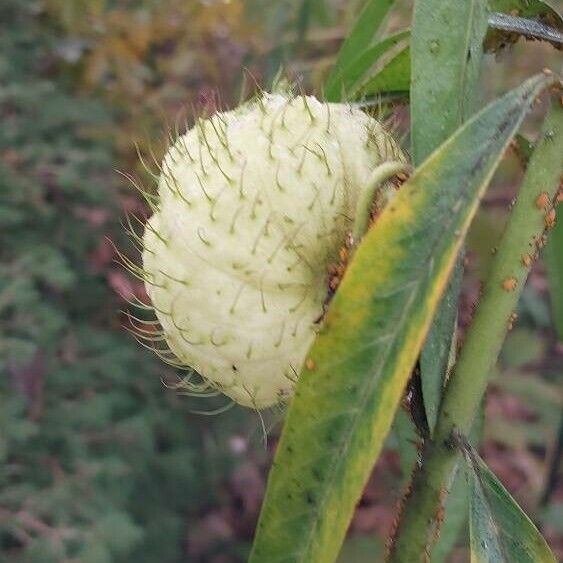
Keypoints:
(254, 204)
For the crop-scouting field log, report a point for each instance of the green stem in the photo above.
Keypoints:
(523, 237)
(379, 176)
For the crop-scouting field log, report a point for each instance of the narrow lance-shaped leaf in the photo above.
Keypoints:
(500, 530)
(446, 60)
(438, 353)
(393, 77)
(357, 369)
(408, 442)
(457, 504)
(446, 52)
(359, 39)
(353, 74)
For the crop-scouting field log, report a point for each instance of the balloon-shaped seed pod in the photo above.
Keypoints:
(254, 205)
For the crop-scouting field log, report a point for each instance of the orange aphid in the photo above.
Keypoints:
(542, 201)
(309, 364)
(509, 284)
(526, 260)
(549, 219)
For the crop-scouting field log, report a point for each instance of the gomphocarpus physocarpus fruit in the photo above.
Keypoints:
(253, 207)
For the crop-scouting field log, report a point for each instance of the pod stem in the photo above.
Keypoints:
(379, 176)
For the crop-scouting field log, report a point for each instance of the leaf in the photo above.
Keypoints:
(523, 149)
(348, 77)
(536, 10)
(500, 530)
(394, 77)
(346, 398)
(310, 12)
(446, 52)
(439, 349)
(446, 61)
(456, 508)
(408, 442)
(359, 39)
(554, 261)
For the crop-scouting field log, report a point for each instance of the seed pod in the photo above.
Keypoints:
(254, 205)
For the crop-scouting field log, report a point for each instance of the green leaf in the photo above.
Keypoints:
(438, 353)
(343, 85)
(554, 261)
(446, 52)
(359, 39)
(500, 530)
(456, 508)
(446, 60)
(408, 442)
(393, 77)
(311, 12)
(346, 398)
(523, 149)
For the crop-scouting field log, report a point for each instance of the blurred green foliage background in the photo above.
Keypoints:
(99, 460)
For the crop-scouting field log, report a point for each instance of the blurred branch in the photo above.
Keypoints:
(530, 29)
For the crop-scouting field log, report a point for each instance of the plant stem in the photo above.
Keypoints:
(379, 176)
(521, 241)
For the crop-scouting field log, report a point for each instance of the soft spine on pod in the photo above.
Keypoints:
(253, 207)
